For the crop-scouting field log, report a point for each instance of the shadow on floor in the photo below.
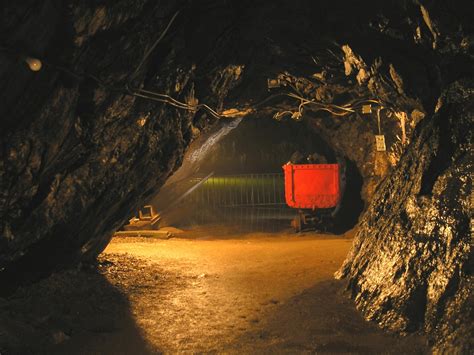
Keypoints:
(70, 312)
(323, 320)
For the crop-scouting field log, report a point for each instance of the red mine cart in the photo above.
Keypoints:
(315, 189)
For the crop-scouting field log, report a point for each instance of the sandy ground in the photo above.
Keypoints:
(213, 292)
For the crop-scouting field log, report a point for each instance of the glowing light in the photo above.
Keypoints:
(33, 63)
(200, 153)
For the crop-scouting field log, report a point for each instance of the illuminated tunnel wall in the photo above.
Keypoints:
(263, 145)
(246, 187)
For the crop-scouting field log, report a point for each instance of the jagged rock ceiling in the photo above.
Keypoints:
(81, 148)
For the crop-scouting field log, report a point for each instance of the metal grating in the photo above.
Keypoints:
(251, 201)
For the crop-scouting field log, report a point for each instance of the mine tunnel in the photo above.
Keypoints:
(203, 176)
(237, 180)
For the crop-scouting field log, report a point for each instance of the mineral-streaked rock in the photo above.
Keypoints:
(77, 156)
(410, 267)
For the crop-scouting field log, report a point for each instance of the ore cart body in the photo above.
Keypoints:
(315, 190)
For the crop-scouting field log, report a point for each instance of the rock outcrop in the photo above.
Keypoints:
(410, 267)
(78, 151)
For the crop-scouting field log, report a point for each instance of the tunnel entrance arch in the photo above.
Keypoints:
(233, 176)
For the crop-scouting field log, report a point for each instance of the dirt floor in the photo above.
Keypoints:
(205, 291)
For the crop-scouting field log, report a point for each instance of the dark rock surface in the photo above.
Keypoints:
(410, 267)
(76, 155)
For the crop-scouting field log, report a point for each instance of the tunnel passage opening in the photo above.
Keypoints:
(233, 177)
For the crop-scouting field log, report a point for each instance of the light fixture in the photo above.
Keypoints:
(33, 63)
(366, 109)
(273, 83)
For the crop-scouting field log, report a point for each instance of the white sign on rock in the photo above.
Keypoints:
(380, 143)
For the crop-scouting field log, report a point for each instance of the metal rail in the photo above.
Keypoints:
(254, 201)
(241, 190)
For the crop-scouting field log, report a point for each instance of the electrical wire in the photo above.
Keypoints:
(149, 51)
(127, 89)
(168, 99)
(331, 108)
(337, 110)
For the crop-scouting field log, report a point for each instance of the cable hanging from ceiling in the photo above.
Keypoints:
(36, 64)
(336, 110)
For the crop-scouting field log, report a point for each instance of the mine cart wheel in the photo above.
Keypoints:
(302, 220)
(297, 223)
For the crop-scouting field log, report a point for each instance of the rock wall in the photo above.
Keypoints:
(410, 267)
(78, 152)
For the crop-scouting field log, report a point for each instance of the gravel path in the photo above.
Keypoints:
(211, 293)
